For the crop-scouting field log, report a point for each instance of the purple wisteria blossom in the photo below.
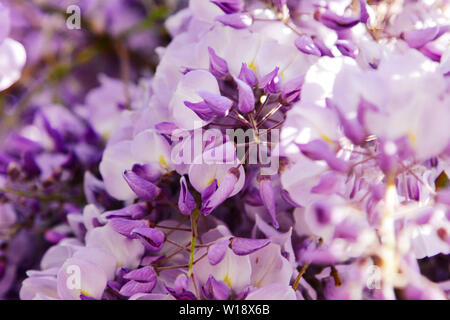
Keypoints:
(225, 150)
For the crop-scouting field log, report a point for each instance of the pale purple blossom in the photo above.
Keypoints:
(288, 150)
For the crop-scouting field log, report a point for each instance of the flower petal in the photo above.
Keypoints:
(243, 246)
(144, 189)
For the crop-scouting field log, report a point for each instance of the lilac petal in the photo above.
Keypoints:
(184, 295)
(71, 161)
(201, 109)
(222, 193)
(328, 184)
(337, 164)
(166, 127)
(16, 145)
(336, 22)
(432, 162)
(145, 274)
(322, 213)
(133, 287)
(217, 290)
(319, 150)
(290, 93)
(353, 130)
(418, 38)
(386, 160)
(29, 164)
(209, 190)
(278, 4)
(347, 48)
(236, 20)
(5, 160)
(347, 230)
(363, 14)
(125, 226)
(246, 102)
(181, 283)
(217, 252)
(134, 211)
(247, 75)
(443, 29)
(324, 50)
(93, 279)
(404, 150)
(148, 260)
(144, 189)
(363, 107)
(267, 194)
(253, 198)
(217, 66)
(378, 191)
(432, 51)
(186, 70)
(55, 135)
(315, 149)
(306, 45)
(286, 197)
(443, 197)
(230, 6)
(198, 107)
(152, 239)
(321, 255)
(271, 82)
(220, 105)
(180, 289)
(149, 172)
(424, 217)
(243, 294)
(186, 202)
(52, 237)
(223, 153)
(243, 246)
(96, 194)
(273, 291)
(413, 188)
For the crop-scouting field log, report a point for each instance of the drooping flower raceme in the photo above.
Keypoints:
(281, 150)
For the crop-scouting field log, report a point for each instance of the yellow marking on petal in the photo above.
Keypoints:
(212, 180)
(227, 280)
(325, 137)
(282, 75)
(412, 138)
(84, 293)
(252, 65)
(162, 161)
(106, 135)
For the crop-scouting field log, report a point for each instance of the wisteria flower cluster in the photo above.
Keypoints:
(225, 150)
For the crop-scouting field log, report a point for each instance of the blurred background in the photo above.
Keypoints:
(116, 38)
(67, 70)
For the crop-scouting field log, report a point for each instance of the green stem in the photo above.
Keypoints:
(41, 197)
(194, 219)
(26, 194)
